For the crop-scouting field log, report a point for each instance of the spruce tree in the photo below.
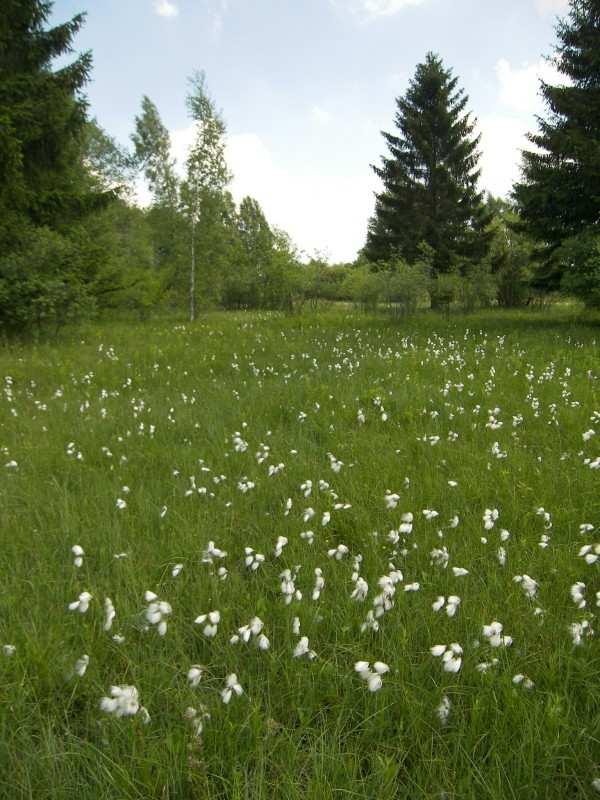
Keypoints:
(430, 178)
(42, 122)
(559, 192)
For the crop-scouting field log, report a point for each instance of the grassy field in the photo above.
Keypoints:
(163, 451)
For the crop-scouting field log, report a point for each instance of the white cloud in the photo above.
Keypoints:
(164, 8)
(321, 212)
(320, 116)
(502, 139)
(373, 9)
(545, 7)
(519, 86)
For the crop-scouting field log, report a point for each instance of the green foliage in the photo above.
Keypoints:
(43, 283)
(152, 154)
(579, 258)
(406, 286)
(510, 254)
(558, 197)
(430, 178)
(364, 287)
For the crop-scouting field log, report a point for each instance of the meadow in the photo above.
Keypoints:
(317, 557)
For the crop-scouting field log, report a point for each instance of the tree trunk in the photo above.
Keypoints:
(193, 273)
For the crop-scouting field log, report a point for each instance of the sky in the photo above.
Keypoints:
(307, 86)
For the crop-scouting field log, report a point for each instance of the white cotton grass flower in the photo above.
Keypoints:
(78, 553)
(81, 665)
(252, 559)
(406, 523)
(578, 594)
(123, 702)
(176, 570)
(338, 552)
(493, 634)
(459, 572)
(279, 545)
(121, 504)
(196, 718)
(412, 587)
(308, 514)
(211, 551)
(325, 519)
(451, 604)
(302, 649)
(232, 687)
(579, 630)
(8, 650)
(590, 553)
(528, 584)
(194, 675)
(490, 515)
(522, 680)
(288, 586)
(451, 655)
(485, 666)
(109, 613)
(391, 500)
(501, 556)
(443, 710)
(430, 514)
(82, 603)
(210, 622)
(157, 612)
(252, 631)
(308, 536)
(372, 677)
(596, 784)
(319, 584)
(361, 590)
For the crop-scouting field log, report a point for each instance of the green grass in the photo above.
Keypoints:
(302, 729)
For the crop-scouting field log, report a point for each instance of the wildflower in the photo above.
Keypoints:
(579, 630)
(523, 680)
(121, 504)
(529, 585)
(288, 586)
(489, 518)
(372, 677)
(253, 560)
(326, 518)
(361, 589)
(501, 555)
(176, 570)
(319, 583)
(591, 553)
(443, 710)
(196, 718)
(370, 624)
(81, 665)
(123, 701)
(391, 500)
(440, 557)
(459, 572)
(82, 603)
(279, 545)
(109, 613)
(308, 514)
(212, 620)
(303, 649)
(429, 514)
(485, 666)
(412, 587)
(232, 686)
(157, 612)
(338, 552)
(8, 650)
(450, 654)
(308, 536)
(211, 552)
(493, 633)
(79, 553)
(577, 594)
(194, 675)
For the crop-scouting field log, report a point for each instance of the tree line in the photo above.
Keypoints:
(73, 241)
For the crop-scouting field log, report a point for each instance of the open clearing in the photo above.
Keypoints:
(142, 445)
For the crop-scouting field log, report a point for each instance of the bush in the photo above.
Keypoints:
(41, 283)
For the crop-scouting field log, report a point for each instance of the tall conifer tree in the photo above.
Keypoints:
(430, 178)
(559, 193)
(42, 121)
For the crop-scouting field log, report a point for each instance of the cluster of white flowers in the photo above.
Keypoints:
(372, 676)
(157, 612)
